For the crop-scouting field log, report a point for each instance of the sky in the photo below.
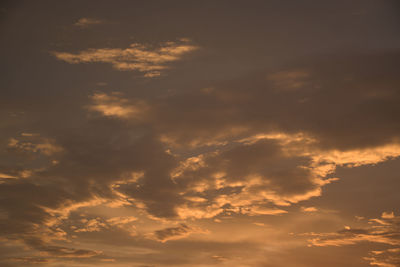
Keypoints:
(200, 133)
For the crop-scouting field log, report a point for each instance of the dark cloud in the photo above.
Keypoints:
(384, 230)
(94, 159)
(343, 101)
(172, 233)
(389, 257)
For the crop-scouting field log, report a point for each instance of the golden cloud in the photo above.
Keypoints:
(143, 58)
(114, 105)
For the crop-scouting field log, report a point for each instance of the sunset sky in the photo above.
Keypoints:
(200, 133)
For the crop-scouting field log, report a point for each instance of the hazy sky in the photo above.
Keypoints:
(200, 133)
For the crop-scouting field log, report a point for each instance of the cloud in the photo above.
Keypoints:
(97, 224)
(343, 103)
(63, 252)
(124, 223)
(121, 220)
(384, 230)
(241, 135)
(6, 176)
(309, 209)
(257, 210)
(114, 105)
(289, 80)
(34, 260)
(41, 145)
(384, 258)
(92, 225)
(86, 22)
(250, 147)
(37, 210)
(173, 233)
(246, 178)
(137, 57)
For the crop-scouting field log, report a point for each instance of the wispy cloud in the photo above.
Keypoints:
(114, 105)
(384, 258)
(150, 60)
(384, 230)
(173, 233)
(86, 22)
(41, 145)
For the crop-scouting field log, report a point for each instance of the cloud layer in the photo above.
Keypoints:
(267, 129)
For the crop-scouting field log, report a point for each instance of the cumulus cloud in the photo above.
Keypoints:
(137, 57)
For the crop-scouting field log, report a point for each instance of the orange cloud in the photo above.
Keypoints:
(146, 59)
(173, 233)
(114, 105)
(384, 230)
(86, 22)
